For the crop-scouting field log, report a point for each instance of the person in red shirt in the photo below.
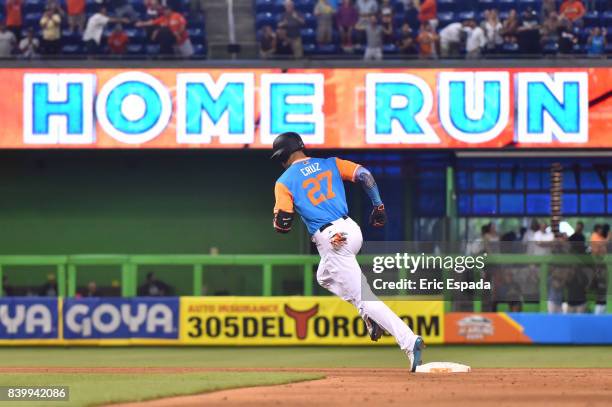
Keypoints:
(572, 10)
(117, 41)
(172, 33)
(428, 12)
(13, 17)
(76, 14)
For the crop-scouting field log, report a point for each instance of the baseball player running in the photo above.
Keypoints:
(313, 187)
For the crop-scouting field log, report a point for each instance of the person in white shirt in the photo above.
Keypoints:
(7, 41)
(476, 40)
(28, 46)
(544, 239)
(492, 27)
(92, 36)
(450, 39)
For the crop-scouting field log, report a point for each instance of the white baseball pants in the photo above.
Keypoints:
(339, 273)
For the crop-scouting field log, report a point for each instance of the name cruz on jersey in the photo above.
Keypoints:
(312, 187)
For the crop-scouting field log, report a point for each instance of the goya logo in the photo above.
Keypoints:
(25, 318)
(120, 318)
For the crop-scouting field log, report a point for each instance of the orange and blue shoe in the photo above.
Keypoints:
(415, 355)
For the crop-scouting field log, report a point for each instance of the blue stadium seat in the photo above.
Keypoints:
(304, 6)
(466, 15)
(199, 50)
(398, 20)
(265, 6)
(445, 19)
(135, 49)
(136, 35)
(196, 21)
(446, 5)
(91, 6)
(511, 49)
(390, 49)
(327, 49)
(152, 49)
(486, 4)
(398, 7)
(263, 19)
(606, 19)
(71, 38)
(32, 20)
(310, 20)
(591, 19)
(308, 35)
(524, 4)
(72, 49)
(196, 35)
(31, 6)
(310, 49)
(139, 7)
(550, 48)
(507, 5)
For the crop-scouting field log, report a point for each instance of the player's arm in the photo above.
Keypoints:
(283, 209)
(350, 171)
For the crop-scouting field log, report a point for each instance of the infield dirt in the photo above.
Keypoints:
(481, 387)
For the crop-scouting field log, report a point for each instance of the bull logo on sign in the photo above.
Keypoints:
(301, 319)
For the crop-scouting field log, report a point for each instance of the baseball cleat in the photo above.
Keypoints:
(415, 355)
(374, 329)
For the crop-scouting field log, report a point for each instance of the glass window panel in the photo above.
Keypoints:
(592, 204)
(590, 180)
(485, 204)
(463, 205)
(511, 204)
(569, 204)
(538, 203)
(485, 180)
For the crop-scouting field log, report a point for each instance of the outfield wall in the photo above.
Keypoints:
(270, 321)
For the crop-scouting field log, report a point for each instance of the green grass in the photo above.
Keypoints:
(315, 357)
(95, 389)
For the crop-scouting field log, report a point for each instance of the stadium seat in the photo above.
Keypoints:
(310, 20)
(507, 5)
(71, 38)
(446, 6)
(390, 49)
(398, 7)
(134, 49)
(139, 7)
(72, 49)
(265, 6)
(445, 19)
(550, 48)
(510, 49)
(136, 35)
(327, 49)
(199, 50)
(525, 4)
(310, 49)
(32, 20)
(304, 6)
(91, 6)
(591, 19)
(308, 35)
(196, 35)
(152, 49)
(606, 19)
(263, 19)
(30, 6)
(466, 15)
(486, 5)
(398, 20)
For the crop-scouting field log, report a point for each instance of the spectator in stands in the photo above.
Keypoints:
(572, 10)
(92, 36)
(154, 287)
(76, 15)
(28, 46)
(49, 288)
(50, 24)
(492, 29)
(508, 291)
(123, 9)
(577, 240)
(529, 33)
(324, 13)
(567, 38)
(91, 290)
(293, 22)
(406, 44)
(451, 38)
(550, 29)
(7, 290)
(476, 40)
(7, 41)
(366, 9)
(427, 39)
(596, 43)
(386, 7)
(548, 6)
(13, 17)
(267, 42)
(374, 34)
(346, 18)
(510, 27)
(283, 43)
(490, 238)
(386, 22)
(428, 12)
(171, 33)
(117, 41)
(599, 249)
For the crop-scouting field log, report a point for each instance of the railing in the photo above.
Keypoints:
(66, 268)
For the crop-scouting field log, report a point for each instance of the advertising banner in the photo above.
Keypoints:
(486, 327)
(120, 318)
(296, 321)
(331, 108)
(27, 318)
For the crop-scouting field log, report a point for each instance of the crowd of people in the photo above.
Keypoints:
(570, 283)
(164, 27)
(371, 24)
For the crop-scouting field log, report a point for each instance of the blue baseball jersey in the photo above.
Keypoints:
(314, 188)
